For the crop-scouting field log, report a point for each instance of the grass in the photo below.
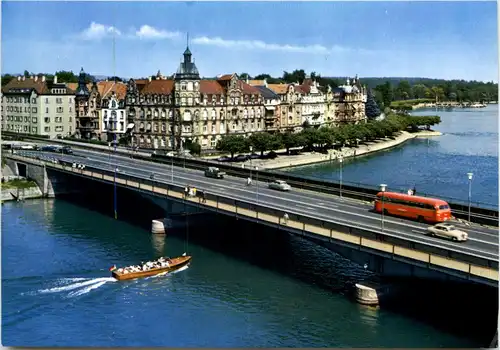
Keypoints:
(14, 184)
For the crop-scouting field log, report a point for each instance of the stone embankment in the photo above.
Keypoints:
(307, 158)
(17, 188)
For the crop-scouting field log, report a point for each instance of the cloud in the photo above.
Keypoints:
(98, 31)
(261, 45)
(148, 32)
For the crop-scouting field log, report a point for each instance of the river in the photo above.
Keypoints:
(246, 287)
(435, 166)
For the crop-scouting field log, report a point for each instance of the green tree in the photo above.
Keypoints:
(371, 109)
(232, 144)
(66, 77)
(290, 140)
(260, 141)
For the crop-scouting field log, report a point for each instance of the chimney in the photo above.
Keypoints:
(36, 77)
(43, 77)
(31, 77)
(55, 79)
(19, 78)
(265, 82)
(24, 78)
(150, 78)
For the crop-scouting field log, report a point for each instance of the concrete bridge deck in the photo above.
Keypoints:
(343, 221)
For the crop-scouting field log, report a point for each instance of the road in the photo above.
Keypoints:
(483, 241)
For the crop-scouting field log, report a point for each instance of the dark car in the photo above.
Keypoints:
(270, 155)
(254, 156)
(66, 150)
(224, 159)
(240, 158)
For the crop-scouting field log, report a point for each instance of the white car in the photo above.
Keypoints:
(280, 185)
(447, 231)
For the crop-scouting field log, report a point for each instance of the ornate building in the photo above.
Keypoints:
(87, 104)
(112, 113)
(350, 100)
(170, 113)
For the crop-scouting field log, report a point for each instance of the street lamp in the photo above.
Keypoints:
(341, 160)
(469, 176)
(257, 181)
(251, 151)
(382, 189)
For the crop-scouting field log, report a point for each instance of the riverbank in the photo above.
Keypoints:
(449, 105)
(307, 158)
(18, 188)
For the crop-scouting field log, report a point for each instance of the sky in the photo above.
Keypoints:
(448, 40)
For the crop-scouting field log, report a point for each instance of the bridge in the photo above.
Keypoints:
(396, 247)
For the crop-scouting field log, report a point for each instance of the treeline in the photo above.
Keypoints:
(387, 90)
(62, 77)
(325, 138)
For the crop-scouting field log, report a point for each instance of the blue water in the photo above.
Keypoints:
(242, 289)
(437, 165)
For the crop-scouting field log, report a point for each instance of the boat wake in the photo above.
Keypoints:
(77, 286)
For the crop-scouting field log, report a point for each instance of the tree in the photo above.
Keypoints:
(194, 148)
(371, 109)
(118, 79)
(232, 144)
(244, 76)
(26, 74)
(386, 92)
(260, 141)
(290, 140)
(66, 77)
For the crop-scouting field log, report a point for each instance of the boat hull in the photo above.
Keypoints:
(176, 264)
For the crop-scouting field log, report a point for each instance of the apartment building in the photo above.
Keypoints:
(112, 111)
(171, 113)
(350, 100)
(37, 106)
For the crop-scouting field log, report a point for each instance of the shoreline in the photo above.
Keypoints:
(310, 158)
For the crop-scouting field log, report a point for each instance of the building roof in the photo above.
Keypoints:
(279, 89)
(210, 87)
(267, 93)
(15, 85)
(257, 82)
(248, 89)
(106, 88)
(37, 83)
(225, 77)
(74, 86)
(160, 87)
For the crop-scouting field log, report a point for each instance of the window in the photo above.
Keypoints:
(183, 101)
(47, 110)
(213, 128)
(113, 104)
(47, 129)
(190, 101)
(59, 109)
(46, 120)
(213, 143)
(46, 100)
(205, 128)
(34, 129)
(59, 128)
(70, 119)
(58, 120)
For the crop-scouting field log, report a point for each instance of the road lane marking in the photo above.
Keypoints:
(304, 207)
(235, 186)
(485, 254)
(469, 238)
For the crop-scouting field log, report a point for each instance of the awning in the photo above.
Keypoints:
(270, 108)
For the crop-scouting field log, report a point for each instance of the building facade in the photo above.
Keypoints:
(39, 107)
(172, 113)
(87, 104)
(112, 111)
(350, 100)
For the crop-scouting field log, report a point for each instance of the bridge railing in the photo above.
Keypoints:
(434, 256)
(480, 215)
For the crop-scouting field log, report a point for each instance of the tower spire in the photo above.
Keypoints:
(187, 40)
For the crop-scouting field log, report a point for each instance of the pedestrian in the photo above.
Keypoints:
(414, 190)
(285, 218)
(204, 197)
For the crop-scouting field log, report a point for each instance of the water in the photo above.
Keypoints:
(247, 286)
(437, 165)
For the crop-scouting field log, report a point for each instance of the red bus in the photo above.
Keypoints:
(414, 207)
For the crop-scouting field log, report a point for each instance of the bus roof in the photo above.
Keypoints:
(413, 198)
